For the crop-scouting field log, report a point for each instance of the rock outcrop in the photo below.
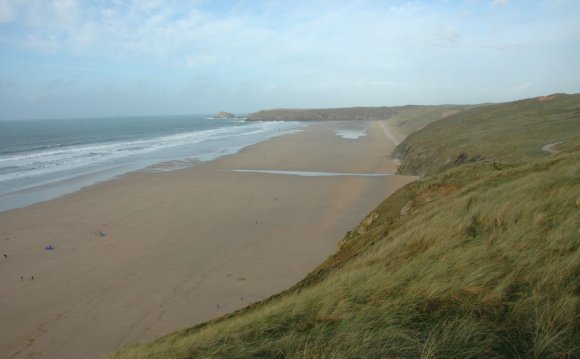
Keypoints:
(224, 115)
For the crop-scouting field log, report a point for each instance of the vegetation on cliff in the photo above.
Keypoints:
(478, 259)
(513, 132)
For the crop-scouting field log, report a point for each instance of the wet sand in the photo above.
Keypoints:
(149, 253)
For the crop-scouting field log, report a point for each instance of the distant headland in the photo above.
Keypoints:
(350, 113)
(224, 115)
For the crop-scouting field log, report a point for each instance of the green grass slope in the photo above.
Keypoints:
(480, 260)
(512, 132)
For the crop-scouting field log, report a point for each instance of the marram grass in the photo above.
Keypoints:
(477, 271)
(479, 261)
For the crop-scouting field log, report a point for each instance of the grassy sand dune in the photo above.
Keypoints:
(479, 260)
(513, 132)
(444, 269)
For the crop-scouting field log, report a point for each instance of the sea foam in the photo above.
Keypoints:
(45, 172)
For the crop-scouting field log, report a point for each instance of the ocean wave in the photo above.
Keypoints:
(79, 159)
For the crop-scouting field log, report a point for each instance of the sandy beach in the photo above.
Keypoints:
(152, 252)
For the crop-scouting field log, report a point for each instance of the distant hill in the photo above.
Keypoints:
(405, 118)
(513, 132)
(479, 258)
(339, 114)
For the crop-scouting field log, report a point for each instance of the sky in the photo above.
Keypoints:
(103, 58)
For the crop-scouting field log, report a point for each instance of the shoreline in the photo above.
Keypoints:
(148, 253)
(58, 172)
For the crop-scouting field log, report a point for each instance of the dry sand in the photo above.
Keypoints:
(180, 247)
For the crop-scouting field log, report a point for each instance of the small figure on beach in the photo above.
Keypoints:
(21, 278)
(31, 277)
(5, 255)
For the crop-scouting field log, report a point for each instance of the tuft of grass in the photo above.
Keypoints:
(479, 260)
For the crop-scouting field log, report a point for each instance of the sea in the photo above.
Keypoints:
(44, 159)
